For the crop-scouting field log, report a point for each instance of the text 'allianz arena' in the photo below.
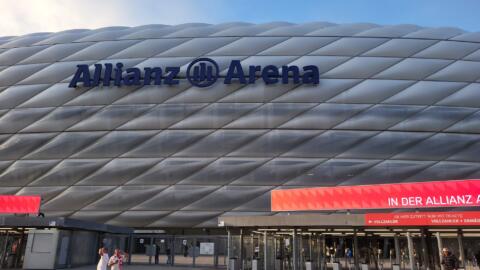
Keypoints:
(393, 104)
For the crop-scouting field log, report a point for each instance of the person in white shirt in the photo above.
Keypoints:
(103, 262)
(116, 261)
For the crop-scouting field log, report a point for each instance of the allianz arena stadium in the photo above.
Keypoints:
(392, 104)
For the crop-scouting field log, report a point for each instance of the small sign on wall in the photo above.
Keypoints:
(207, 248)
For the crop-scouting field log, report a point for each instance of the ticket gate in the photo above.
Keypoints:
(323, 249)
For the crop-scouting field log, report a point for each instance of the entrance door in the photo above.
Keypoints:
(12, 246)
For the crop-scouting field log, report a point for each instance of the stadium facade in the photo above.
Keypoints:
(392, 104)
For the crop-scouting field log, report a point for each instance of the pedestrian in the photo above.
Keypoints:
(103, 262)
(116, 261)
(449, 260)
(167, 252)
(157, 254)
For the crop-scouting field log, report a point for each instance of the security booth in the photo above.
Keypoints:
(55, 243)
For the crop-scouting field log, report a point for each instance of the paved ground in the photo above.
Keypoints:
(149, 267)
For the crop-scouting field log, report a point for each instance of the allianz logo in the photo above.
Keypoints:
(202, 72)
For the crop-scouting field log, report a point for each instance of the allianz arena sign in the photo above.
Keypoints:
(202, 72)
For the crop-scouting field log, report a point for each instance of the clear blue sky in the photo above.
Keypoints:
(26, 16)
(461, 13)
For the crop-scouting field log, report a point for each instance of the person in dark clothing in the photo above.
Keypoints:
(157, 253)
(449, 260)
(167, 252)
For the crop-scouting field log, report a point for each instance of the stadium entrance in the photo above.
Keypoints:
(338, 241)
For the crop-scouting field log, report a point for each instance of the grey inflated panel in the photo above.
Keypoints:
(137, 218)
(269, 115)
(275, 142)
(258, 92)
(124, 198)
(434, 119)
(468, 154)
(298, 46)
(21, 144)
(64, 37)
(325, 90)
(100, 50)
(114, 144)
(170, 171)
(223, 171)
(248, 46)
(230, 196)
(475, 56)
(329, 144)
(438, 147)
(65, 145)
(184, 218)
(343, 29)
(15, 55)
(76, 197)
(14, 74)
(413, 69)
(117, 172)
(324, 63)
(349, 46)
(46, 193)
(25, 41)
(371, 91)
(448, 50)
(445, 170)
(390, 31)
(175, 197)
(296, 30)
(399, 48)
(152, 94)
(55, 95)
(466, 97)
(95, 216)
(379, 117)
(385, 144)
(332, 172)
(162, 116)
(17, 119)
(62, 118)
(107, 33)
(148, 48)
(389, 171)
(361, 67)
(110, 117)
(15, 95)
(54, 73)
(425, 93)
(435, 33)
(68, 172)
(470, 124)
(167, 143)
(460, 71)
(23, 172)
(220, 142)
(197, 47)
(250, 29)
(324, 116)
(54, 53)
(215, 115)
(277, 171)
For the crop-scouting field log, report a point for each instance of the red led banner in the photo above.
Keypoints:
(423, 219)
(10, 204)
(451, 193)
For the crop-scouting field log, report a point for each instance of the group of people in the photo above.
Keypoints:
(114, 263)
